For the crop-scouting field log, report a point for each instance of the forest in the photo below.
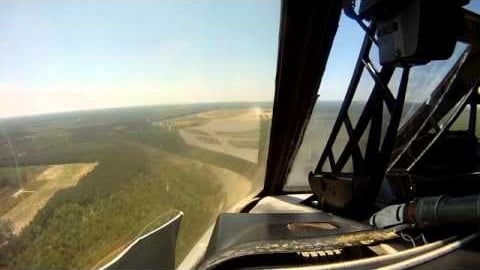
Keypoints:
(144, 171)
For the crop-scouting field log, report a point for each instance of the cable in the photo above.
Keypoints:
(408, 238)
(432, 254)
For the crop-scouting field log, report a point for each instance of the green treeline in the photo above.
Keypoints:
(135, 181)
(81, 225)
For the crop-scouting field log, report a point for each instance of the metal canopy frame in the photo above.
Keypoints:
(368, 169)
(306, 36)
(455, 92)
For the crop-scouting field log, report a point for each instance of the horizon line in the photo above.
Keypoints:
(125, 107)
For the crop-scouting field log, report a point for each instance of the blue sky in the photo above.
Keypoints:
(75, 55)
(71, 55)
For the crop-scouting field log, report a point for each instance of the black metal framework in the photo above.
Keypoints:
(380, 150)
(467, 99)
(457, 90)
(368, 169)
(394, 155)
(431, 157)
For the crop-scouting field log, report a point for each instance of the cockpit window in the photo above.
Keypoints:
(427, 78)
(422, 82)
(115, 115)
(336, 78)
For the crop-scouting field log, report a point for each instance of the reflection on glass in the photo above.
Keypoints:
(424, 79)
(91, 155)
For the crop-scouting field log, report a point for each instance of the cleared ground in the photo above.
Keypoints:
(220, 130)
(51, 180)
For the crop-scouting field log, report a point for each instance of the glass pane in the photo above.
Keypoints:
(363, 141)
(463, 118)
(364, 90)
(348, 166)
(373, 55)
(116, 114)
(336, 78)
(322, 119)
(340, 143)
(474, 6)
(461, 123)
(394, 83)
(424, 79)
(385, 122)
(422, 82)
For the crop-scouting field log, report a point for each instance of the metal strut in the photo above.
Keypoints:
(369, 168)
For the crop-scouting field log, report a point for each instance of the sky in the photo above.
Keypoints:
(75, 55)
(60, 56)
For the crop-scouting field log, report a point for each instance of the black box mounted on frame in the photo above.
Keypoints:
(414, 32)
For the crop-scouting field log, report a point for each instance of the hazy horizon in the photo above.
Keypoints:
(59, 56)
(135, 106)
